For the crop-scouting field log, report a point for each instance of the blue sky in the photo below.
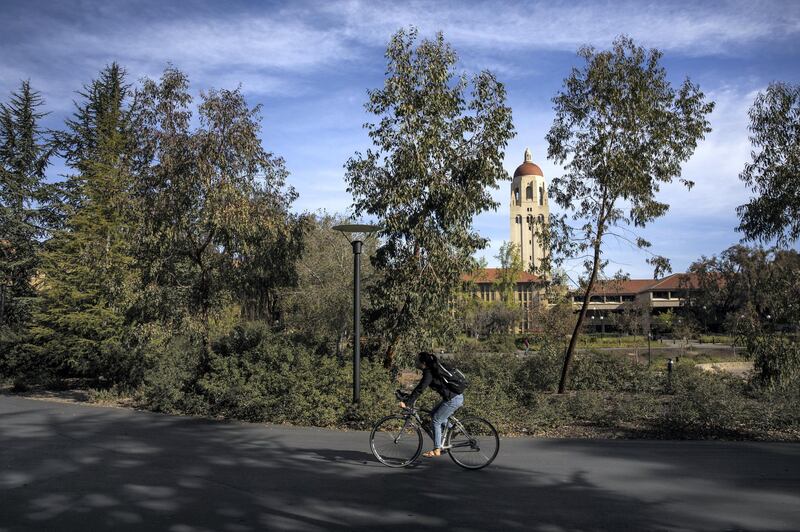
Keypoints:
(311, 63)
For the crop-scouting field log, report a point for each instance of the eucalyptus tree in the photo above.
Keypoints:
(437, 152)
(24, 157)
(214, 206)
(774, 172)
(621, 130)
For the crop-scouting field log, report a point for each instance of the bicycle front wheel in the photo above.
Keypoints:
(474, 443)
(396, 441)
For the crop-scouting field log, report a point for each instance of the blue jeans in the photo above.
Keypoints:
(439, 416)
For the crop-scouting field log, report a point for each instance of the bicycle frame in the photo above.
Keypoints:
(412, 414)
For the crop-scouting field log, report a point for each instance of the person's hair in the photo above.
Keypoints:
(429, 359)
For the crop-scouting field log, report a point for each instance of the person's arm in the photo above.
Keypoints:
(427, 378)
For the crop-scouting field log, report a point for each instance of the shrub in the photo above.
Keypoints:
(540, 371)
(257, 375)
(493, 392)
(605, 371)
(169, 384)
(704, 403)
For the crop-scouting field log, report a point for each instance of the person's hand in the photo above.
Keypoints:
(402, 404)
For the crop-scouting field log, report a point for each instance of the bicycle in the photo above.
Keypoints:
(396, 440)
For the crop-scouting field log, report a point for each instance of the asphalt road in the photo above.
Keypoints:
(83, 468)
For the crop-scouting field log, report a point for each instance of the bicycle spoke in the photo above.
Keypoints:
(475, 443)
(395, 442)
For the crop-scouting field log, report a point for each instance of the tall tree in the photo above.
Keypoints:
(774, 173)
(87, 282)
(214, 204)
(437, 154)
(622, 130)
(24, 156)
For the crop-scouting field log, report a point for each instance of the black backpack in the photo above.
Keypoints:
(455, 381)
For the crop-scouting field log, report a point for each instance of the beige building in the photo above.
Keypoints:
(528, 207)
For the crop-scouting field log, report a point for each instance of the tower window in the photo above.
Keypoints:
(541, 195)
(516, 195)
(529, 192)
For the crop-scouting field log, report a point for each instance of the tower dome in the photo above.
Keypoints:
(528, 168)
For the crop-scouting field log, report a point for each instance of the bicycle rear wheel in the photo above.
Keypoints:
(474, 443)
(396, 441)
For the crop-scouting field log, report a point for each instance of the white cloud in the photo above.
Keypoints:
(696, 28)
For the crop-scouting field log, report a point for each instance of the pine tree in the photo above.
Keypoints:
(24, 156)
(86, 265)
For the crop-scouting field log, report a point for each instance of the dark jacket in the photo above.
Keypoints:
(430, 378)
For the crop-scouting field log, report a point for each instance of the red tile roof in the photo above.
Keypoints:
(628, 286)
(677, 281)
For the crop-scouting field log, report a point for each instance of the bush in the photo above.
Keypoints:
(257, 375)
(493, 392)
(540, 371)
(704, 403)
(604, 371)
(169, 384)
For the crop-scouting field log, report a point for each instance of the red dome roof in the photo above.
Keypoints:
(528, 168)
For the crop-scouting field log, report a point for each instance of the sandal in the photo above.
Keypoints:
(433, 453)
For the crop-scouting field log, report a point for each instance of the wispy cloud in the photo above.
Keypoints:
(694, 27)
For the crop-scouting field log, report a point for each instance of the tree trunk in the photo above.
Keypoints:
(574, 340)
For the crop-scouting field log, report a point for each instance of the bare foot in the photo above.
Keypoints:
(431, 454)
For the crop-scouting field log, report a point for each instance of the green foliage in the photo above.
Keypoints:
(605, 371)
(776, 358)
(214, 218)
(774, 173)
(703, 403)
(622, 131)
(539, 371)
(319, 310)
(257, 375)
(86, 277)
(758, 292)
(493, 392)
(437, 155)
(24, 199)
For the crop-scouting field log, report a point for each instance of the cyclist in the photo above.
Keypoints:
(450, 402)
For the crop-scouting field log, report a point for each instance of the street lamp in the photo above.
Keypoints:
(356, 234)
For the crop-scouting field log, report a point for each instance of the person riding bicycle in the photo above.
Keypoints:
(450, 402)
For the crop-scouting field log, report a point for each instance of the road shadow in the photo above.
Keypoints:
(66, 467)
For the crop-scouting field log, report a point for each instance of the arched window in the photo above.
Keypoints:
(541, 195)
(529, 192)
(516, 194)
(541, 218)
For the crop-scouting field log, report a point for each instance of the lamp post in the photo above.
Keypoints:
(353, 233)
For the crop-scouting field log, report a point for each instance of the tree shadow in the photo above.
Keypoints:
(68, 467)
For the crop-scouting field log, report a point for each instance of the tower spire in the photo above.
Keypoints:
(527, 155)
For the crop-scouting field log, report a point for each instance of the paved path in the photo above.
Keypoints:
(83, 468)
